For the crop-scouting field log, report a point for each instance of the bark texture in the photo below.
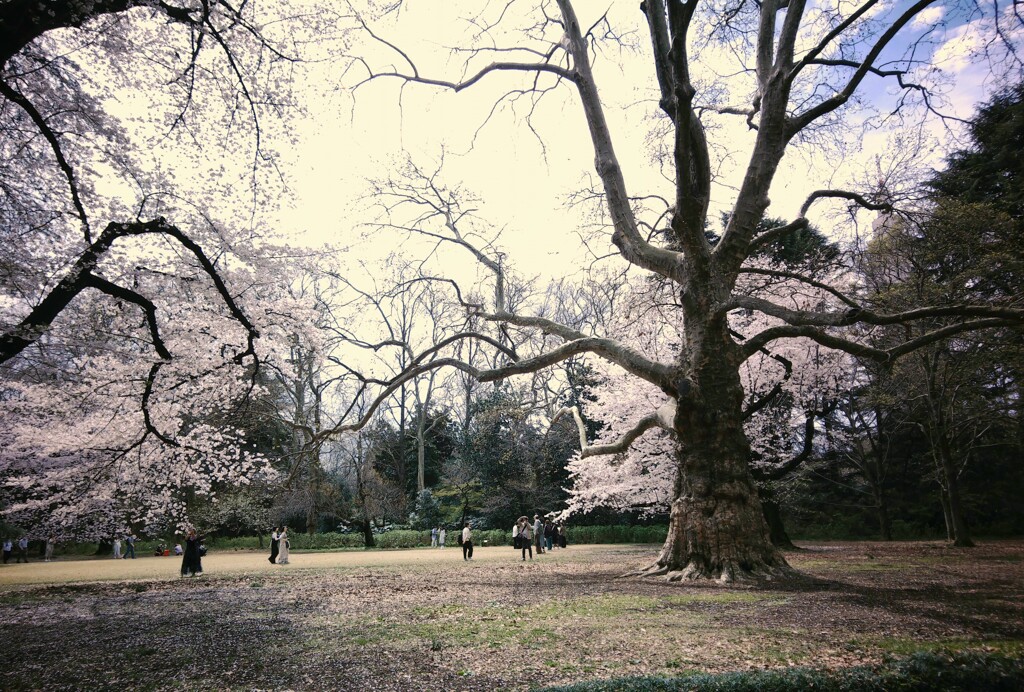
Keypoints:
(717, 528)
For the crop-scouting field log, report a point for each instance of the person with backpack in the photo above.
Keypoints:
(538, 533)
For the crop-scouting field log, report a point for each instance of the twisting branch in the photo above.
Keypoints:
(416, 77)
(801, 222)
(147, 393)
(783, 274)
(799, 122)
(842, 194)
(662, 418)
(80, 276)
(510, 352)
(612, 350)
(626, 235)
(146, 304)
(857, 349)
(778, 471)
(863, 316)
(51, 137)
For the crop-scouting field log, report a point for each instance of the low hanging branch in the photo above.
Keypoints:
(81, 277)
(661, 418)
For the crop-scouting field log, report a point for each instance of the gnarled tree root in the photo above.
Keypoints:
(724, 574)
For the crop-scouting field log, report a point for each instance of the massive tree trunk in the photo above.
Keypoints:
(717, 528)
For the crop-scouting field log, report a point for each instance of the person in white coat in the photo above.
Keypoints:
(440, 537)
(282, 547)
(117, 548)
(467, 542)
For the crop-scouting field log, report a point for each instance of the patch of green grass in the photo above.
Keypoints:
(923, 671)
(723, 597)
(536, 626)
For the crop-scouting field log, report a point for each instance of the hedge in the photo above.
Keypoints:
(398, 539)
(922, 672)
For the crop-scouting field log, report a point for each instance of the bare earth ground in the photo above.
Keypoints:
(425, 620)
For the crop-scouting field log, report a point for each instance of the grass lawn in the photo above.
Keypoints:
(425, 620)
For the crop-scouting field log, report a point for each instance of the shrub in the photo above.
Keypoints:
(921, 672)
(407, 539)
(325, 541)
(616, 534)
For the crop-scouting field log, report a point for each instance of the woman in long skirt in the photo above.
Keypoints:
(282, 547)
(192, 562)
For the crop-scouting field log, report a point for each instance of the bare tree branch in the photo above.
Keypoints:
(662, 418)
(869, 352)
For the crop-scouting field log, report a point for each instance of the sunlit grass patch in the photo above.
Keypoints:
(866, 565)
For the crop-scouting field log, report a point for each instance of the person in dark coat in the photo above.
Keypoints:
(275, 544)
(192, 562)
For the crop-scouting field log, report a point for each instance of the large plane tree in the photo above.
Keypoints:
(804, 66)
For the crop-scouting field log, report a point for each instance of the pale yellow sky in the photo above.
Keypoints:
(524, 192)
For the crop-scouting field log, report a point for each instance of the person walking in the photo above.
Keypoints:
(117, 548)
(525, 535)
(192, 562)
(129, 545)
(283, 546)
(549, 534)
(467, 542)
(538, 533)
(8, 549)
(433, 537)
(23, 549)
(441, 534)
(275, 544)
(48, 555)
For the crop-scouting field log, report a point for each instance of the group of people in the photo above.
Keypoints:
(22, 549)
(161, 549)
(279, 545)
(438, 536)
(8, 549)
(129, 548)
(542, 534)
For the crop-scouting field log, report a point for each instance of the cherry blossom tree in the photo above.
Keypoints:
(136, 304)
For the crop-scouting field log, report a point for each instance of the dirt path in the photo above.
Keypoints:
(237, 563)
(425, 620)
